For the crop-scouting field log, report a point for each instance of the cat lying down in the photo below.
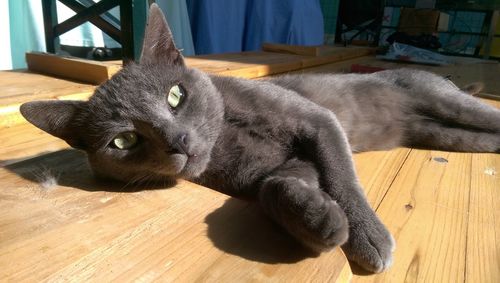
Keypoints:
(286, 142)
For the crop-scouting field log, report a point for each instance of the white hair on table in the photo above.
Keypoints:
(46, 178)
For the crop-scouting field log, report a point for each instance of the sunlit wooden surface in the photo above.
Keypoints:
(443, 209)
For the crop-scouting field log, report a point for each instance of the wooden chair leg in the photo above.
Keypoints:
(49, 21)
(133, 15)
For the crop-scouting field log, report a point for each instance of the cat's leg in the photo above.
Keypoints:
(453, 121)
(429, 134)
(292, 197)
(438, 115)
(370, 244)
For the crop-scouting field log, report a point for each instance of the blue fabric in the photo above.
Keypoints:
(241, 25)
(178, 20)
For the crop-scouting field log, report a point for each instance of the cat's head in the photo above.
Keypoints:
(156, 119)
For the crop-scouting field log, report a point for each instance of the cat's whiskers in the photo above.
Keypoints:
(136, 179)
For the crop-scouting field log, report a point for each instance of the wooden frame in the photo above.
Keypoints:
(133, 15)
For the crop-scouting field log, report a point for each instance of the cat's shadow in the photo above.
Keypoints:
(241, 228)
(238, 227)
(70, 168)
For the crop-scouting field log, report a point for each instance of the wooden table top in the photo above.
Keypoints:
(444, 216)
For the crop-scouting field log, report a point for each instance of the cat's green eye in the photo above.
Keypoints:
(125, 140)
(175, 96)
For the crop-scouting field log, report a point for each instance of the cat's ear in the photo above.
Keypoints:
(159, 46)
(56, 117)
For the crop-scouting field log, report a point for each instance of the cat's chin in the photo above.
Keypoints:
(194, 166)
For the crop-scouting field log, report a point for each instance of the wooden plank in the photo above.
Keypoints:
(293, 49)
(377, 170)
(426, 211)
(17, 87)
(80, 230)
(443, 216)
(483, 230)
(71, 68)
(22, 86)
(320, 50)
(244, 64)
(10, 115)
(24, 141)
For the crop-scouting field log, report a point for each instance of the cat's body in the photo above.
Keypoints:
(375, 113)
(285, 142)
(262, 121)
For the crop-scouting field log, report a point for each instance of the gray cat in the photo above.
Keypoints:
(285, 141)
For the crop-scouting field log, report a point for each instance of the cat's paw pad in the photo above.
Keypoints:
(371, 247)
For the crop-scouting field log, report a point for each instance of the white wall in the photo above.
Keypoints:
(5, 55)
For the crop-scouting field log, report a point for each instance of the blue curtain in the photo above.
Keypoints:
(240, 25)
(178, 20)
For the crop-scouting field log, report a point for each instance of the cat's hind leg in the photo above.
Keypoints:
(438, 115)
(453, 121)
(292, 197)
(431, 134)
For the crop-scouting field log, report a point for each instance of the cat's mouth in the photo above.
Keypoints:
(191, 160)
(194, 165)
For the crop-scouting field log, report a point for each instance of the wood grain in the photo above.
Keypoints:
(251, 64)
(482, 259)
(80, 229)
(319, 50)
(22, 86)
(426, 211)
(24, 141)
(377, 170)
(94, 72)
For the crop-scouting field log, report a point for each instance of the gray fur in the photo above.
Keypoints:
(285, 142)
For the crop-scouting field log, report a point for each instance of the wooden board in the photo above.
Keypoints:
(443, 215)
(244, 64)
(482, 260)
(94, 72)
(425, 209)
(320, 50)
(17, 87)
(80, 229)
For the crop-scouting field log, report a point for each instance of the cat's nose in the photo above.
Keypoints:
(181, 144)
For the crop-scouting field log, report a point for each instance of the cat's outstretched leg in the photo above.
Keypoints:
(369, 244)
(292, 197)
(441, 136)
(440, 116)
(454, 121)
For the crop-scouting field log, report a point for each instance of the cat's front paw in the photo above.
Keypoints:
(370, 245)
(309, 214)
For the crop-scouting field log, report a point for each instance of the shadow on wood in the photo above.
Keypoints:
(241, 228)
(238, 227)
(69, 168)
